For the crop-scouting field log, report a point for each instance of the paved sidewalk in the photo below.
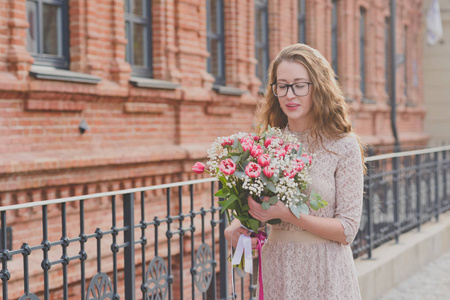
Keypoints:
(431, 283)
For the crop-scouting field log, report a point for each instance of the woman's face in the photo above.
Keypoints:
(296, 106)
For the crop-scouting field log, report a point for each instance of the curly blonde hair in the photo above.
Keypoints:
(329, 109)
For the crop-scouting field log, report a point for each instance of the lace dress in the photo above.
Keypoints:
(323, 269)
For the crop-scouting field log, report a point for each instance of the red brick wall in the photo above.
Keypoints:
(142, 136)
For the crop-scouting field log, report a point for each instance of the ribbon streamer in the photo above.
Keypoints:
(244, 247)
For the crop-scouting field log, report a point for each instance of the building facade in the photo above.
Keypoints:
(105, 95)
(436, 63)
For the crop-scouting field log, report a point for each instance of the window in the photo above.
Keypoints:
(387, 55)
(216, 40)
(138, 30)
(334, 37)
(362, 50)
(261, 39)
(301, 19)
(48, 34)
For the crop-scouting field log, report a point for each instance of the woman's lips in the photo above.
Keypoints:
(292, 106)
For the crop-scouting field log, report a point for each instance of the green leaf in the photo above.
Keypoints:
(265, 205)
(239, 147)
(239, 174)
(275, 177)
(254, 224)
(236, 143)
(316, 202)
(295, 210)
(244, 155)
(273, 200)
(299, 151)
(271, 187)
(235, 158)
(228, 201)
(264, 178)
(304, 209)
(305, 160)
(221, 193)
(223, 180)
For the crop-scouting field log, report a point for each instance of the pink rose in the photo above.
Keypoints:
(256, 151)
(227, 166)
(290, 173)
(247, 146)
(298, 164)
(280, 152)
(256, 138)
(227, 141)
(198, 168)
(264, 160)
(308, 157)
(253, 170)
(247, 140)
(289, 147)
(269, 171)
(268, 142)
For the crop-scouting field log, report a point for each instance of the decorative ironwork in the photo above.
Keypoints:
(402, 191)
(157, 279)
(29, 296)
(203, 268)
(100, 288)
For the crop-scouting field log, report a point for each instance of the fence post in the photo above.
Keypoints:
(396, 197)
(369, 210)
(223, 258)
(436, 185)
(418, 193)
(223, 245)
(128, 236)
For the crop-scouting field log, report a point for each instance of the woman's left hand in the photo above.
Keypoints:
(277, 211)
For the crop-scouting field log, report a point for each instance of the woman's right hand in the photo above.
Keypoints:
(234, 231)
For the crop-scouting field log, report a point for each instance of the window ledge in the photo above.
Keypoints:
(49, 73)
(225, 90)
(153, 83)
(368, 101)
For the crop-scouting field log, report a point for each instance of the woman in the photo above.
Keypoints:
(310, 257)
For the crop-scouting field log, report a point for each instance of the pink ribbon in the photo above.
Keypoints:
(262, 237)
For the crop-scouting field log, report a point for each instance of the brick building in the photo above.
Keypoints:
(110, 94)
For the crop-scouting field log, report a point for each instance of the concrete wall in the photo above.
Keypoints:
(436, 75)
(392, 263)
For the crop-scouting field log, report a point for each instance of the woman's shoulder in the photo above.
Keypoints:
(346, 143)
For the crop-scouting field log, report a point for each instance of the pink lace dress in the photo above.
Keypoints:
(324, 269)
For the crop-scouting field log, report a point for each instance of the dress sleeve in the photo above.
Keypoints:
(349, 187)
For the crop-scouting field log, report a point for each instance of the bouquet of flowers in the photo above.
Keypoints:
(271, 164)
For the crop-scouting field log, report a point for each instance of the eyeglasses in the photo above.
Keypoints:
(299, 88)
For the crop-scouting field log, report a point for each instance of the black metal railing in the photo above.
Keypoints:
(167, 242)
(402, 191)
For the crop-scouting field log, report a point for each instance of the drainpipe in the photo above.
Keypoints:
(393, 76)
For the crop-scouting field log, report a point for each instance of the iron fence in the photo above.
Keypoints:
(167, 241)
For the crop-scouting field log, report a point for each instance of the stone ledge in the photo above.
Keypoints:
(91, 158)
(49, 73)
(392, 263)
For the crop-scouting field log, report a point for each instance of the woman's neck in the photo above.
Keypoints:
(299, 126)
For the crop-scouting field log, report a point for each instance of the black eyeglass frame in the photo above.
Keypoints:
(292, 87)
